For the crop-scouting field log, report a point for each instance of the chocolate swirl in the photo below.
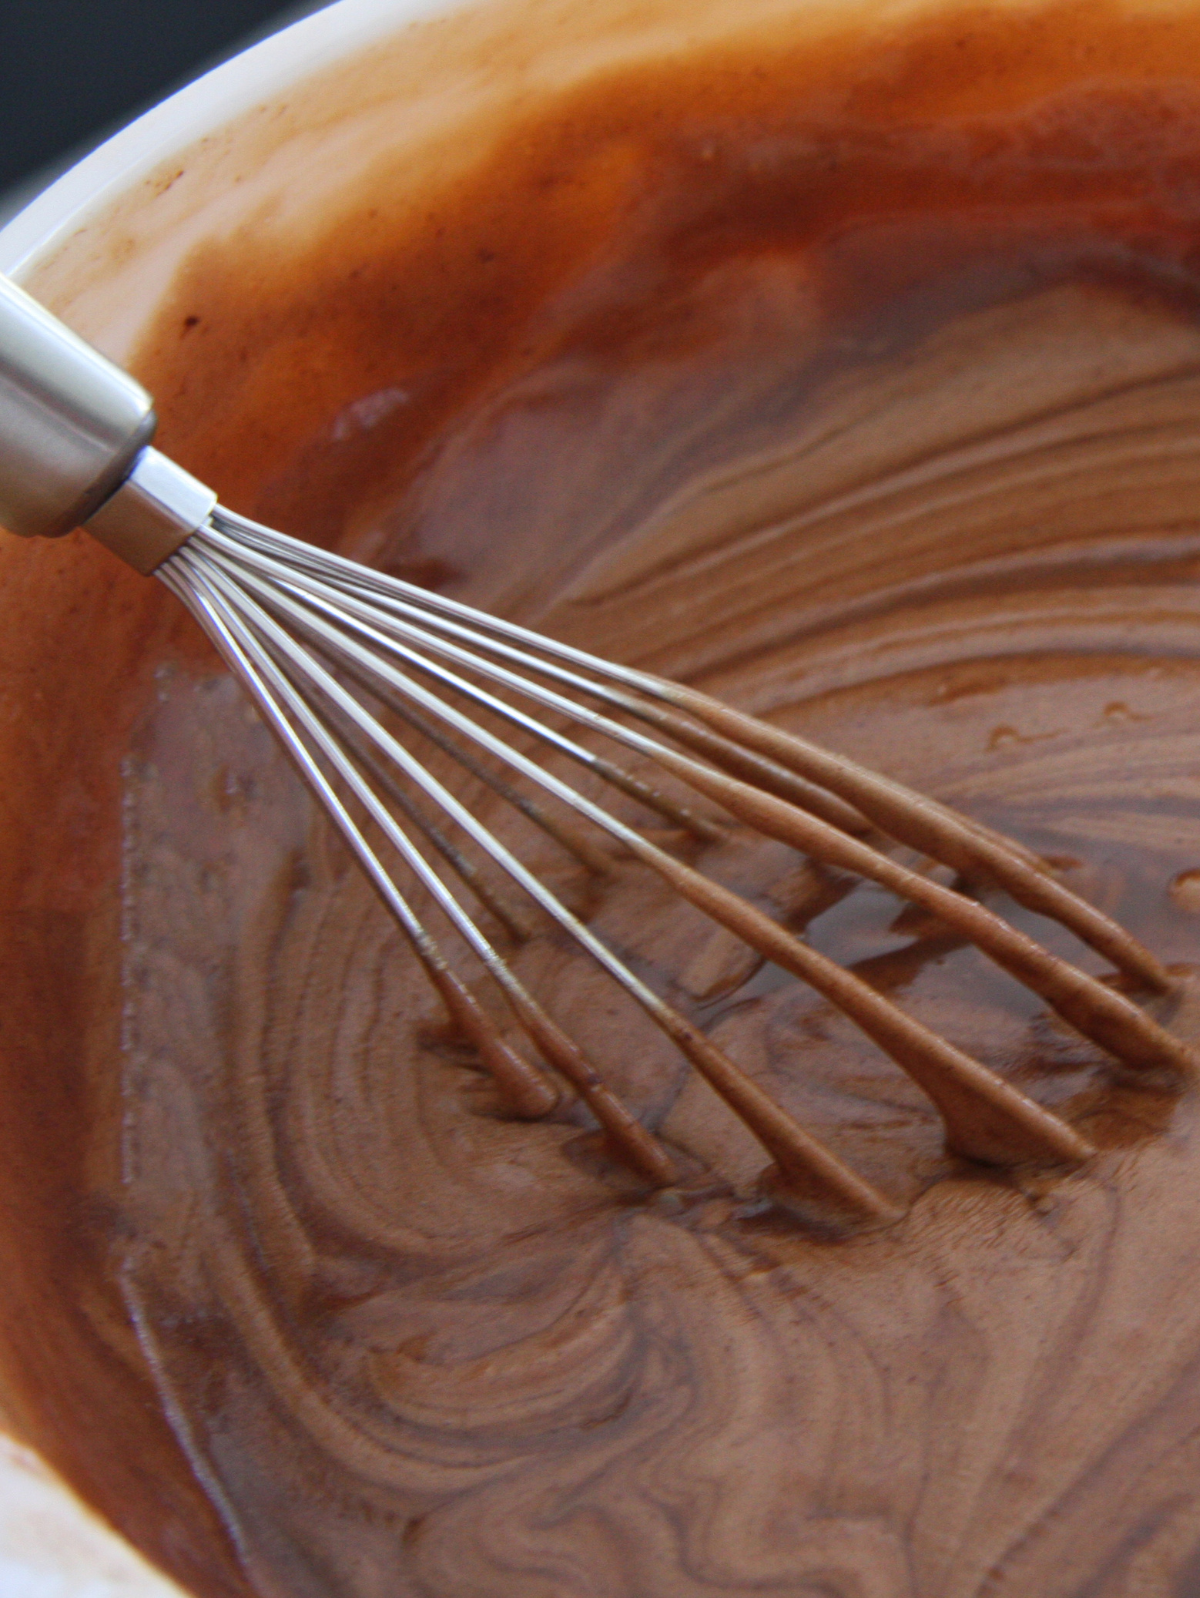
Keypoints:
(397, 1330)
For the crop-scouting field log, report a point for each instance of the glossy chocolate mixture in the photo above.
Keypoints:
(857, 383)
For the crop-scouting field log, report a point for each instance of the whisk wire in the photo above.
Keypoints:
(1098, 1012)
(303, 627)
(212, 601)
(970, 848)
(801, 1157)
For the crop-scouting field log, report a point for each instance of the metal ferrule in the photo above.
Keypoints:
(156, 509)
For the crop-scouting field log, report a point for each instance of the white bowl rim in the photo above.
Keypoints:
(235, 86)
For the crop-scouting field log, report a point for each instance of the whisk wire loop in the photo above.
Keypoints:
(1100, 1013)
(303, 626)
(913, 818)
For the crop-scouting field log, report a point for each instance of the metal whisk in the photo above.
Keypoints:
(311, 634)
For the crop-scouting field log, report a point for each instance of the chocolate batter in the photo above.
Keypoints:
(857, 384)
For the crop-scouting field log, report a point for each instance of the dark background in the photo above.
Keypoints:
(72, 71)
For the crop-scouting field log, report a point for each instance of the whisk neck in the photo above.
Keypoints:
(153, 513)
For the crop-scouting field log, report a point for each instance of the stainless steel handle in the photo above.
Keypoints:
(71, 423)
(74, 431)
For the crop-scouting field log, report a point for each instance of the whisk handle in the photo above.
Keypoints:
(74, 436)
(71, 423)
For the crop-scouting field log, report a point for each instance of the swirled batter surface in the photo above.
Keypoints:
(416, 1346)
(860, 390)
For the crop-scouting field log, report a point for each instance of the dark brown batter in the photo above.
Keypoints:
(857, 383)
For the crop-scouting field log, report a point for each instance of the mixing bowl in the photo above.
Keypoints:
(1004, 543)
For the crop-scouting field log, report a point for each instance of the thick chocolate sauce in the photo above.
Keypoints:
(855, 382)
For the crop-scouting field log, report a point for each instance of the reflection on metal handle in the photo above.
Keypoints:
(71, 423)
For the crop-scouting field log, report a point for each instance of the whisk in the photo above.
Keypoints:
(311, 635)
